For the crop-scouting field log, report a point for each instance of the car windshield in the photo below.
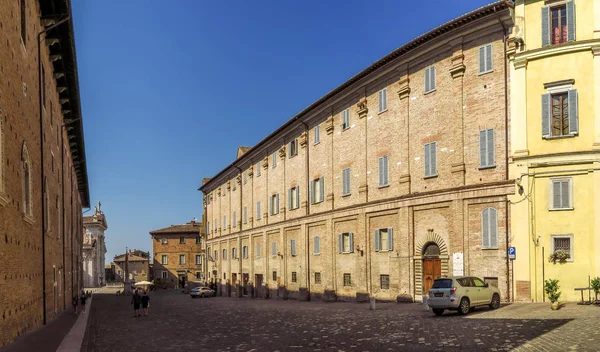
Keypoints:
(442, 283)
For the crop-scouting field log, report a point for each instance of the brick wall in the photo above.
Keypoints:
(173, 249)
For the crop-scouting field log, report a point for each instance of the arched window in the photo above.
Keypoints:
(489, 228)
(26, 180)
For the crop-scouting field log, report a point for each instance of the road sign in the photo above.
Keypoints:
(512, 253)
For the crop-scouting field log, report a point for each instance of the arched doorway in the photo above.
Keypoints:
(432, 265)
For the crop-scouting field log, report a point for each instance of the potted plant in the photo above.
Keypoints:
(552, 291)
(595, 283)
(559, 256)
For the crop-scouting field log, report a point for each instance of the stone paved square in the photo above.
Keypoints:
(179, 323)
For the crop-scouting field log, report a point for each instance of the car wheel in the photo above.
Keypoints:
(464, 306)
(495, 304)
(438, 311)
(202, 295)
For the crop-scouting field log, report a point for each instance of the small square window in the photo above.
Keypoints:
(197, 239)
(317, 278)
(345, 119)
(164, 240)
(347, 280)
(198, 275)
(294, 277)
(181, 240)
(165, 274)
(563, 243)
(385, 282)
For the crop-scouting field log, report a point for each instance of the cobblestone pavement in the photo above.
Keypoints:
(179, 323)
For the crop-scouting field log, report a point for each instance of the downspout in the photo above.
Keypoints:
(239, 235)
(506, 216)
(307, 167)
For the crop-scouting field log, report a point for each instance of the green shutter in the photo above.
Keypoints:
(390, 238)
(351, 241)
(546, 111)
(377, 240)
(571, 21)
(573, 112)
(545, 26)
(340, 243)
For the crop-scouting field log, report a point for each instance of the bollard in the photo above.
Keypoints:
(372, 303)
(425, 298)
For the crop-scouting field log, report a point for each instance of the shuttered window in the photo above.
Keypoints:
(274, 159)
(486, 148)
(430, 159)
(347, 280)
(224, 222)
(382, 100)
(346, 242)
(345, 119)
(294, 197)
(346, 181)
(383, 171)
(224, 255)
(245, 178)
(293, 248)
(489, 228)
(317, 190)
(258, 210)
(258, 250)
(273, 249)
(485, 59)
(317, 245)
(384, 239)
(245, 215)
(558, 24)
(429, 79)
(317, 134)
(234, 220)
(561, 194)
(258, 170)
(293, 148)
(560, 116)
(275, 204)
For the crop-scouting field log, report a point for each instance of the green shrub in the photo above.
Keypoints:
(552, 290)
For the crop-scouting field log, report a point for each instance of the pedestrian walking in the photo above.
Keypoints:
(136, 299)
(83, 299)
(145, 303)
(75, 303)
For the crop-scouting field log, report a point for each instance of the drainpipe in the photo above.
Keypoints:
(307, 167)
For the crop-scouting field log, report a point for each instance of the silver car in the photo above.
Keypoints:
(461, 293)
(201, 291)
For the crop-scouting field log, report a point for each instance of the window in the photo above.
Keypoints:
(346, 242)
(197, 239)
(24, 21)
(224, 222)
(317, 190)
(385, 282)
(198, 259)
(181, 240)
(164, 240)
(346, 181)
(245, 215)
(274, 276)
(317, 134)
(198, 275)
(383, 171)
(224, 276)
(384, 240)
(165, 274)
(164, 259)
(317, 245)
(563, 243)
(258, 210)
(234, 219)
(293, 248)
(274, 159)
(317, 278)
(430, 79)
(223, 190)
(294, 277)
(26, 181)
(485, 59)
(430, 159)
(489, 228)
(382, 100)
(245, 177)
(233, 253)
(182, 259)
(215, 225)
(478, 282)
(486, 148)
(275, 204)
(224, 255)
(558, 24)
(258, 250)
(273, 249)
(559, 114)
(216, 255)
(258, 170)
(233, 185)
(293, 148)
(560, 194)
(245, 252)
(347, 280)
(294, 197)
(346, 119)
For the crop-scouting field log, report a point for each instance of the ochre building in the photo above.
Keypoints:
(178, 255)
(394, 178)
(43, 178)
(555, 109)
(136, 266)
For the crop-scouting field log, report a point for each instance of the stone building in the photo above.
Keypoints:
(178, 254)
(43, 177)
(137, 267)
(394, 178)
(94, 249)
(554, 62)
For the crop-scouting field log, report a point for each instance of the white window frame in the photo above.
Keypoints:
(571, 243)
(390, 236)
(165, 274)
(317, 195)
(382, 100)
(164, 240)
(343, 248)
(164, 259)
(182, 262)
(274, 203)
(485, 57)
(317, 134)
(427, 77)
(561, 179)
(198, 259)
(346, 119)
(294, 201)
(293, 146)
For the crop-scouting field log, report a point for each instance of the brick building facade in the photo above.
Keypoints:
(178, 255)
(396, 177)
(137, 267)
(43, 180)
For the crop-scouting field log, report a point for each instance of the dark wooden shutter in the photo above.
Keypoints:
(546, 26)
(571, 21)
(546, 110)
(573, 112)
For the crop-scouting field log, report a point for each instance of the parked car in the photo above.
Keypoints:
(461, 293)
(201, 291)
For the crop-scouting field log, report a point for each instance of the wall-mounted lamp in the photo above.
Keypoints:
(360, 250)
(280, 255)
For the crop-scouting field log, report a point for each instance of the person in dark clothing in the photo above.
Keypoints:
(75, 303)
(136, 299)
(83, 299)
(145, 303)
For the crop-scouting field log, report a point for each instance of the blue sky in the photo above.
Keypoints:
(170, 91)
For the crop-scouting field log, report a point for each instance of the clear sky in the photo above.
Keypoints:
(170, 89)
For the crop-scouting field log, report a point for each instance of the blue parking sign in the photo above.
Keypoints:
(512, 253)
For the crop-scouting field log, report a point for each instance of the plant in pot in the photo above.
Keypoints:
(559, 256)
(595, 283)
(552, 291)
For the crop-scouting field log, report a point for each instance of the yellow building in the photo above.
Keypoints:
(554, 64)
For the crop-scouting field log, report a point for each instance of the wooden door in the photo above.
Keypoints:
(258, 283)
(432, 269)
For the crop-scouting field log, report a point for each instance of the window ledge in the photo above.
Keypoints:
(559, 137)
(28, 218)
(485, 72)
(315, 203)
(316, 253)
(3, 200)
(384, 186)
(319, 142)
(346, 195)
(428, 177)
(487, 167)
(560, 209)
(430, 91)
(489, 248)
(381, 112)
(290, 157)
(345, 128)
